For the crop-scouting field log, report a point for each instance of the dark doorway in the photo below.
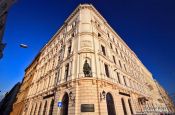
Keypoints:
(110, 104)
(65, 101)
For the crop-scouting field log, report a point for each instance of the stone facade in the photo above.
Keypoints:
(119, 83)
(20, 104)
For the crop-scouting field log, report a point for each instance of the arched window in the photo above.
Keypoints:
(124, 107)
(130, 106)
(110, 104)
(51, 107)
(45, 108)
(65, 102)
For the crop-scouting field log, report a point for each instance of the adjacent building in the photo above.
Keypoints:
(165, 99)
(4, 7)
(20, 104)
(87, 69)
(6, 103)
(173, 98)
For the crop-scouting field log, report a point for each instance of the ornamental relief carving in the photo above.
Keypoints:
(86, 43)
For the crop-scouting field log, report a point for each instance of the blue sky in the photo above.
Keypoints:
(147, 26)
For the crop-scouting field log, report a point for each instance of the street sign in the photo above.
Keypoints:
(87, 108)
(59, 104)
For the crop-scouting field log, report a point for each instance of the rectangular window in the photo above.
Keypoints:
(111, 45)
(121, 55)
(124, 78)
(99, 35)
(125, 67)
(57, 77)
(98, 25)
(106, 70)
(114, 59)
(103, 50)
(116, 50)
(125, 58)
(120, 64)
(69, 49)
(124, 107)
(130, 83)
(118, 76)
(66, 71)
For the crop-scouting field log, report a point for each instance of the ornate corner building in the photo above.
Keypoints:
(89, 69)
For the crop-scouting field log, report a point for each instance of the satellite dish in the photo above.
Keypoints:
(23, 46)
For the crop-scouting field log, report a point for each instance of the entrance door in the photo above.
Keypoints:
(110, 104)
(65, 102)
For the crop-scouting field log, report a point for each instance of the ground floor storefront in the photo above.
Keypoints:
(89, 96)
